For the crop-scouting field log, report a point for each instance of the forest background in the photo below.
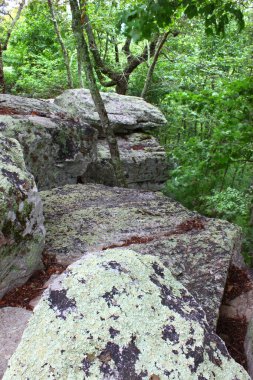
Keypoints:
(192, 59)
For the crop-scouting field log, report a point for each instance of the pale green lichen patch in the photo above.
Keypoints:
(80, 218)
(119, 315)
(21, 218)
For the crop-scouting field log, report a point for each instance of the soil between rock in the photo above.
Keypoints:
(22, 295)
(233, 330)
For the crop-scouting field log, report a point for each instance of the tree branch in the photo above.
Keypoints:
(14, 21)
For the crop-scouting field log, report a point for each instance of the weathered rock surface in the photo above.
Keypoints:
(144, 161)
(248, 346)
(198, 250)
(21, 218)
(126, 113)
(57, 148)
(13, 321)
(120, 315)
(239, 307)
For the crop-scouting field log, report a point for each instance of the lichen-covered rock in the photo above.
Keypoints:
(144, 161)
(21, 218)
(80, 218)
(57, 148)
(126, 113)
(13, 321)
(119, 315)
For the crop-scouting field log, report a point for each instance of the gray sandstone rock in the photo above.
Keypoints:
(21, 218)
(119, 315)
(13, 321)
(248, 346)
(144, 161)
(57, 148)
(198, 250)
(126, 113)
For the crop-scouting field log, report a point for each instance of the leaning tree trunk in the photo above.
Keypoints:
(153, 64)
(2, 81)
(63, 48)
(98, 101)
(4, 45)
(79, 69)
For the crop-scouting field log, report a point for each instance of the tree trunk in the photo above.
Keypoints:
(4, 45)
(63, 48)
(153, 64)
(2, 81)
(98, 101)
(122, 85)
(79, 69)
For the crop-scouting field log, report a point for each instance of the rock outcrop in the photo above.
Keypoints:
(144, 161)
(126, 113)
(120, 315)
(21, 219)
(198, 250)
(57, 148)
(13, 321)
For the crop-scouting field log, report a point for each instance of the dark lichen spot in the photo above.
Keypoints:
(108, 296)
(59, 302)
(179, 304)
(197, 353)
(169, 333)
(113, 332)
(190, 342)
(211, 338)
(114, 317)
(124, 361)
(86, 364)
(114, 265)
(82, 281)
(158, 270)
(14, 179)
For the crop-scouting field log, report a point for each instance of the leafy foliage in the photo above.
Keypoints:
(148, 17)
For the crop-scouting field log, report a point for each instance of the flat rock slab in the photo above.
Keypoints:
(122, 316)
(198, 250)
(144, 161)
(13, 321)
(57, 148)
(126, 113)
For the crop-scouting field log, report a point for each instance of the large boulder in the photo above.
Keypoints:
(198, 250)
(144, 161)
(21, 218)
(126, 113)
(13, 321)
(57, 148)
(119, 315)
